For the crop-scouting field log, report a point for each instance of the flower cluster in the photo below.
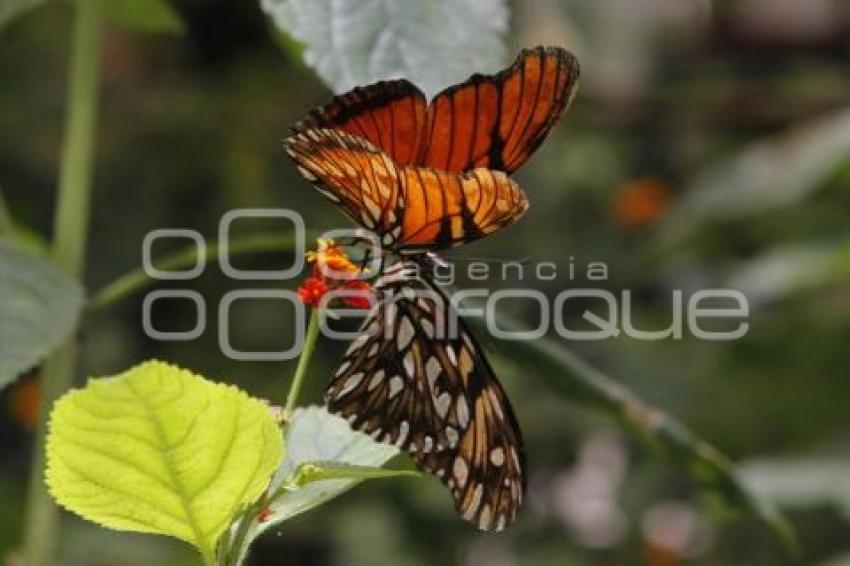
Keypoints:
(332, 271)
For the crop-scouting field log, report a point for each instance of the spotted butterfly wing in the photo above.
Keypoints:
(488, 121)
(416, 378)
(412, 209)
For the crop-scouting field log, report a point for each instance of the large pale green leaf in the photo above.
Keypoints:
(39, 307)
(324, 458)
(434, 43)
(159, 449)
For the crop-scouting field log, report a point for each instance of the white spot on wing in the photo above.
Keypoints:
(484, 518)
(460, 471)
(376, 380)
(345, 365)
(372, 207)
(306, 174)
(405, 333)
(433, 370)
(396, 385)
(476, 501)
(367, 220)
(357, 344)
(408, 364)
(497, 456)
(427, 327)
(442, 403)
(403, 429)
(351, 383)
(450, 352)
(462, 412)
(452, 436)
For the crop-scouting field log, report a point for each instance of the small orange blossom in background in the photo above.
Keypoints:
(640, 202)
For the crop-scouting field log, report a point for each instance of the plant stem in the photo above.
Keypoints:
(303, 362)
(138, 279)
(70, 229)
(233, 552)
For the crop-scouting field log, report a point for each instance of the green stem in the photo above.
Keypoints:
(70, 229)
(303, 362)
(138, 279)
(232, 552)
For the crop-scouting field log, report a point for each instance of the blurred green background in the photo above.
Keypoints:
(709, 146)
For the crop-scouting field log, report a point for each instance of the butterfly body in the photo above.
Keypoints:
(426, 177)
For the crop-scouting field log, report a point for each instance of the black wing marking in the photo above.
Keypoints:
(406, 381)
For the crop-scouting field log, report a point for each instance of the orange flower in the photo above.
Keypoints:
(312, 290)
(640, 202)
(333, 271)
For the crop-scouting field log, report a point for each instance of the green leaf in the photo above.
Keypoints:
(776, 172)
(314, 439)
(321, 471)
(11, 9)
(143, 15)
(802, 482)
(434, 44)
(785, 270)
(39, 308)
(159, 449)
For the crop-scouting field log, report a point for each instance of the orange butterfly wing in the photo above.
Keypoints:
(389, 114)
(497, 121)
(490, 121)
(449, 209)
(412, 209)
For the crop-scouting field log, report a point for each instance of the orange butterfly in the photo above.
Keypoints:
(427, 177)
(423, 178)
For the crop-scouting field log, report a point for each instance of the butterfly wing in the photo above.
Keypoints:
(389, 114)
(448, 209)
(497, 121)
(407, 380)
(411, 209)
(488, 121)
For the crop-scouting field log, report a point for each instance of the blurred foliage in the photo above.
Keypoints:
(674, 91)
(143, 15)
(40, 306)
(11, 9)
